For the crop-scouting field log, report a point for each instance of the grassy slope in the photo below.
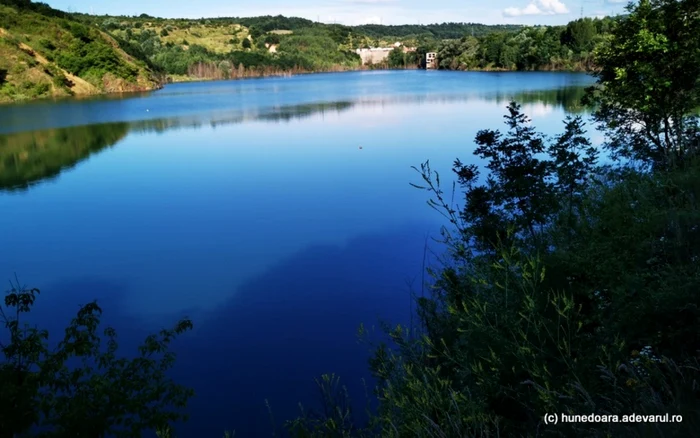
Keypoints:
(36, 54)
(214, 38)
(49, 53)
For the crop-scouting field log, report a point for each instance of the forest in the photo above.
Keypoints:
(235, 47)
(567, 47)
(238, 47)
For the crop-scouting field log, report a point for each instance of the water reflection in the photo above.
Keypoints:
(30, 157)
(568, 98)
(27, 158)
(277, 238)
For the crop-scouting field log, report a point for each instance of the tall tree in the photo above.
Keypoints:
(580, 35)
(648, 88)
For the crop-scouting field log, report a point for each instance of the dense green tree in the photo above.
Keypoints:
(648, 89)
(272, 39)
(255, 32)
(437, 31)
(459, 54)
(397, 58)
(580, 35)
(269, 23)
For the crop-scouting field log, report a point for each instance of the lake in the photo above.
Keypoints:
(276, 213)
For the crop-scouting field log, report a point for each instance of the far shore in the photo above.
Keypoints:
(173, 79)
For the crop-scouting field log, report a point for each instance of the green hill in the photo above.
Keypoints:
(47, 53)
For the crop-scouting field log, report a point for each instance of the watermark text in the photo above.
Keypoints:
(596, 418)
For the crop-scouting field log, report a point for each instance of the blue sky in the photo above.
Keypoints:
(353, 12)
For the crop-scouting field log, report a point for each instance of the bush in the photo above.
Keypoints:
(95, 59)
(110, 24)
(82, 388)
(41, 89)
(47, 44)
(7, 21)
(552, 263)
(81, 32)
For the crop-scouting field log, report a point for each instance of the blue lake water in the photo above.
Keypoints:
(277, 213)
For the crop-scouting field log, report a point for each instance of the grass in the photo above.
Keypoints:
(46, 56)
(214, 38)
(26, 78)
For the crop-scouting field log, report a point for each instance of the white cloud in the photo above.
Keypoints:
(538, 7)
(617, 1)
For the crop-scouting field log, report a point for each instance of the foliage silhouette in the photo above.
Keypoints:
(81, 387)
(569, 287)
(647, 91)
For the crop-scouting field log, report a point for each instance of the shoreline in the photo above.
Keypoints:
(180, 79)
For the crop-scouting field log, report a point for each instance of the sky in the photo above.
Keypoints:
(353, 12)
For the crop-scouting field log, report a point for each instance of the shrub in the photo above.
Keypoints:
(95, 59)
(41, 89)
(47, 44)
(82, 388)
(81, 32)
(552, 263)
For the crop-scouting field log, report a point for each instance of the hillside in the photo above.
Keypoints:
(225, 48)
(49, 53)
(232, 47)
(46, 53)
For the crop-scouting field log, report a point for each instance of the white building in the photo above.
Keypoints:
(431, 60)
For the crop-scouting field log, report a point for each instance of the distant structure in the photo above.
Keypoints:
(431, 60)
(377, 55)
(374, 55)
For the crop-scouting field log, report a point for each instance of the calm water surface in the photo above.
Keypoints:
(276, 213)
